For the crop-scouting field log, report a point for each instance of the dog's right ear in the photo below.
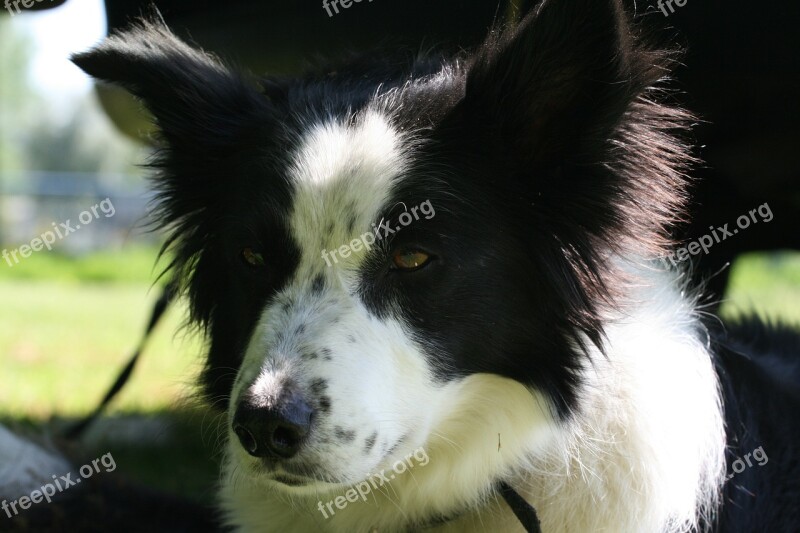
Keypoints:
(198, 103)
(564, 75)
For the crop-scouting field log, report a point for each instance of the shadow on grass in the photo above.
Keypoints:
(164, 478)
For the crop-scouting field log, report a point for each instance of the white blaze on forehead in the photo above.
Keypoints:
(342, 173)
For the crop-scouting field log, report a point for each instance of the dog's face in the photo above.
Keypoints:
(362, 246)
(334, 379)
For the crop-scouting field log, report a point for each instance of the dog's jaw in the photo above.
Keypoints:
(458, 477)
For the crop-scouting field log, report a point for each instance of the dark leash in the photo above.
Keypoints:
(524, 511)
(167, 294)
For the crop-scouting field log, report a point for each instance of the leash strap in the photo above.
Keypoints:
(160, 306)
(524, 511)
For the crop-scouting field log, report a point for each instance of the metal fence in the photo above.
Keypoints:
(37, 202)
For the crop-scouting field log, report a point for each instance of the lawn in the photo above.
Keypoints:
(63, 344)
(767, 284)
(67, 326)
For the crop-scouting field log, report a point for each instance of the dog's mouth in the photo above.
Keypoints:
(292, 480)
(287, 476)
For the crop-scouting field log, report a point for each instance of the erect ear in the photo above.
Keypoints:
(209, 119)
(198, 103)
(568, 71)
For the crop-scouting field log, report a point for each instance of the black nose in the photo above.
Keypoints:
(276, 430)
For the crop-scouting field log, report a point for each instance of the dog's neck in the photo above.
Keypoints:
(645, 449)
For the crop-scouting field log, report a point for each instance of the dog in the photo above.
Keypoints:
(423, 278)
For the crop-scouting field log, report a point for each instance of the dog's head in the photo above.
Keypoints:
(386, 256)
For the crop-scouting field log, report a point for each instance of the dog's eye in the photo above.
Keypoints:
(252, 258)
(409, 259)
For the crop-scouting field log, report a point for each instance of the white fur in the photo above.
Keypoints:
(644, 452)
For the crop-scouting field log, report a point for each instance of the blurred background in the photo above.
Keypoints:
(70, 316)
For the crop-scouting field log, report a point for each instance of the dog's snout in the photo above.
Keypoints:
(276, 431)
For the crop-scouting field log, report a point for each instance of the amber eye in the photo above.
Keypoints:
(409, 259)
(252, 258)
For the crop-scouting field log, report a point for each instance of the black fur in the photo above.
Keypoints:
(219, 186)
(551, 166)
(759, 370)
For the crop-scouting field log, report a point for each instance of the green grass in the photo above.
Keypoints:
(765, 284)
(61, 346)
(121, 264)
(67, 325)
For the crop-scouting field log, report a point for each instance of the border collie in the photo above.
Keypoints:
(523, 331)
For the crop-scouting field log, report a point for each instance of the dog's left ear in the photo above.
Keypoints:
(569, 70)
(200, 105)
